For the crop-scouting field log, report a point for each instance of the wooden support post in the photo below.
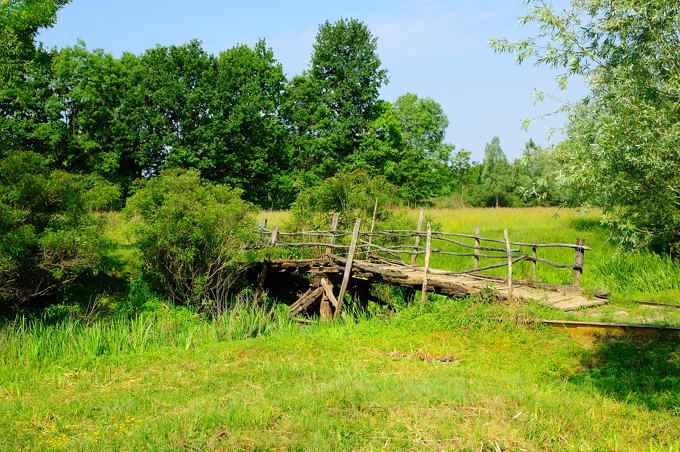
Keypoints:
(533, 261)
(275, 235)
(328, 291)
(325, 312)
(348, 265)
(261, 277)
(334, 227)
(304, 301)
(420, 228)
(428, 246)
(578, 262)
(508, 250)
(477, 245)
(370, 238)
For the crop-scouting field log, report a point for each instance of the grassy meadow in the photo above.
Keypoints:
(453, 375)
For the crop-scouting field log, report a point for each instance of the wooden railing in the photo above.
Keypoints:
(367, 245)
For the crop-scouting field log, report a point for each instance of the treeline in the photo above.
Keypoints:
(235, 117)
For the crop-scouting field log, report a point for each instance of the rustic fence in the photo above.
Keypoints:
(393, 247)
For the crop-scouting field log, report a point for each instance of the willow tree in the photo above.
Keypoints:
(624, 137)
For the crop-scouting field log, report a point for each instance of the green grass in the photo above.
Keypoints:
(456, 375)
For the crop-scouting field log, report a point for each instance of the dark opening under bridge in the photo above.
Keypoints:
(354, 260)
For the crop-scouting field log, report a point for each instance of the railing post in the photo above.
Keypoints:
(477, 245)
(370, 237)
(275, 235)
(578, 262)
(428, 246)
(508, 250)
(420, 228)
(334, 227)
(533, 261)
(348, 265)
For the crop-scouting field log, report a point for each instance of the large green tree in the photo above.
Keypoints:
(623, 138)
(338, 97)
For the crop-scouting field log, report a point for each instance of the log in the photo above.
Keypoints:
(428, 244)
(348, 265)
(304, 301)
(328, 290)
(325, 312)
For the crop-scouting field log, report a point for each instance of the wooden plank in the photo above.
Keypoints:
(508, 250)
(420, 228)
(348, 265)
(477, 245)
(428, 245)
(578, 262)
(334, 227)
(305, 300)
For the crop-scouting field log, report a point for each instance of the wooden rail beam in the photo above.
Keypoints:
(348, 265)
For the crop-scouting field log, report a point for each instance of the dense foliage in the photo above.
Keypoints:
(191, 235)
(625, 135)
(48, 238)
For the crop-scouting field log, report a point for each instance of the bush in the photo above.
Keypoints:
(48, 237)
(191, 235)
(351, 195)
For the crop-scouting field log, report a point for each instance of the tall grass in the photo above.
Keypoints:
(35, 343)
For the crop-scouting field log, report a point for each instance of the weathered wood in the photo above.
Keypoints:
(578, 262)
(420, 228)
(325, 312)
(428, 244)
(348, 265)
(370, 237)
(261, 277)
(334, 227)
(477, 245)
(305, 300)
(274, 236)
(509, 251)
(533, 261)
(328, 290)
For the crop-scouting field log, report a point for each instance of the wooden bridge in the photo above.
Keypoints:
(353, 261)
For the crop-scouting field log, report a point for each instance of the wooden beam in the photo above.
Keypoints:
(328, 290)
(325, 312)
(428, 246)
(578, 262)
(420, 228)
(334, 227)
(348, 265)
(305, 300)
(509, 251)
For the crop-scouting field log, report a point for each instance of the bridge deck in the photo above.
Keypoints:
(564, 298)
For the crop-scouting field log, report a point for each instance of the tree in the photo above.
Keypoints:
(347, 77)
(48, 237)
(624, 136)
(495, 177)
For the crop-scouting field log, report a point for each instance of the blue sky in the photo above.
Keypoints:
(434, 48)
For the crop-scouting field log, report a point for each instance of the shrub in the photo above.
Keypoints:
(191, 235)
(351, 195)
(48, 238)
